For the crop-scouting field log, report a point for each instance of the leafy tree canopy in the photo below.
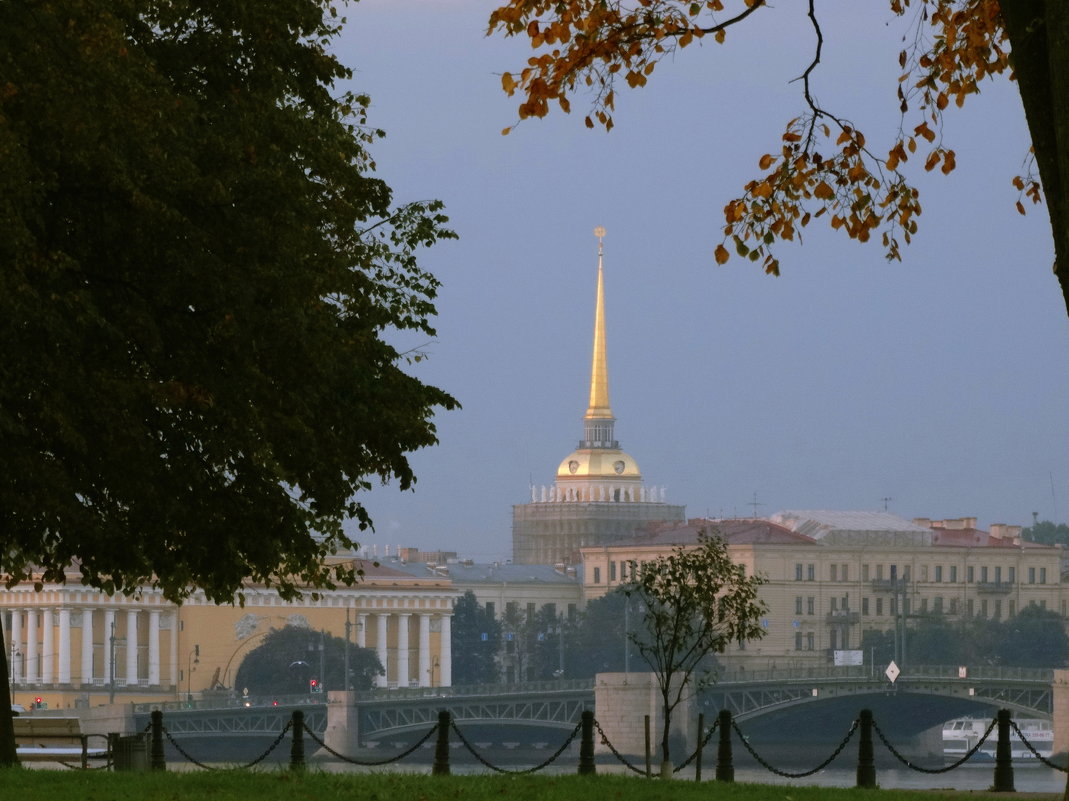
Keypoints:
(474, 657)
(289, 657)
(824, 166)
(198, 279)
(1047, 533)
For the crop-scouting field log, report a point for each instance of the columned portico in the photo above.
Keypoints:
(131, 647)
(87, 645)
(425, 650)
(154, 647)
(65, 646)
(446, 660)
(15, 652)
(47, 645)
(402, 650)
(383, 620)
(109, 645)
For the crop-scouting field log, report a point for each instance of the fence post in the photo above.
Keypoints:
(297, 748)
(441, 748)
(1003, 755)
(646, 723)
(155, 749)
(725, 771)
(866, 763)
(698, 753)
(586, 745)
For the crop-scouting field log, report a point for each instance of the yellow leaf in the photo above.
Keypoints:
(823, 191)
(722, 254)
(719, 36)
(766, 161)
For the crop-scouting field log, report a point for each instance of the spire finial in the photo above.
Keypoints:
(599, 371)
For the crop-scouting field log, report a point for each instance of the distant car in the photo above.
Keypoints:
(17, 709)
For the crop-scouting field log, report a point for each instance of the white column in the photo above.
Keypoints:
(425, 650)
(154, 647)
(64, 646)
(87, 646)
(446, 656)
(402, 650)
(109, 650)
(15, 653)
(33, 663)
(48, 674)
(380, 648)
(361, 631)
(174, 649)
(131, 646)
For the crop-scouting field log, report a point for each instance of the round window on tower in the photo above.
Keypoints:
(573, 465)
(618, 466)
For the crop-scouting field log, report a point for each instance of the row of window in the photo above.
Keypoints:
(934, 573)
(877, 606)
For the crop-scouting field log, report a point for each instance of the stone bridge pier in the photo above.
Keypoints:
(1060, 711)
(621, 702)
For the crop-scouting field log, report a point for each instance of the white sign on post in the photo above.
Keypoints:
(892, 672)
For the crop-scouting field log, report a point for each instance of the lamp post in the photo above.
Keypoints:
(113, 643)
(192, 659)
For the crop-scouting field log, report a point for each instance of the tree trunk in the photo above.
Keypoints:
(8, 756)
(666, 727)
(1039, 40)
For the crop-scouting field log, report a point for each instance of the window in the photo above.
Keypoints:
(894, 572)
(798, 572)
(1011, 575)
(798, 604)
(1043, 603)
(809, 641)
(879, 606)
(572, 611)
(798, 641)
(879, 572)
(490, 610)
(983, 574)
(833, 604)
(811, 572)
(983, 608)
(924, 572)
(846, 572)
(998, 575)
(1031, 575)
(969, 608)
(924, 606)
(953, 574)
(953, 606)
(998, 609)
(864, 572)
(1011, 609)
(970, 574)
(512, 608)
(937, 605)
(938, 574)
(810, 605)
(597, 575)
(834, 572)
(1043, 575)
(894, 604)
(612, 571)
(551, 611)
(864, 606)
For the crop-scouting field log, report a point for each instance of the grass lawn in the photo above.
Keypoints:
(54, 785)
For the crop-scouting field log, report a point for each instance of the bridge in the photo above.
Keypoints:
(750, 694)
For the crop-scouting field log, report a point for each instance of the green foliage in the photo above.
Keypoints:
(474, 658)
(697, 601)
(1047, 533)
(289, 657)
(197, 276)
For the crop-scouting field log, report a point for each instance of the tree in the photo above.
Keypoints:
(600, 637)
(289, 657)
(476, 638)
(697, 601)
(199, 283)
(1047, 533)
(824, 165)
(1035, 638)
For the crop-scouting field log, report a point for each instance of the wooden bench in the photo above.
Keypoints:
(48, 739)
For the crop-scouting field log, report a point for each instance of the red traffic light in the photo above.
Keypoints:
(313, 683)
(38, 702)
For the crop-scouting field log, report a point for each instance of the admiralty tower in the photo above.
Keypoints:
(598, 496)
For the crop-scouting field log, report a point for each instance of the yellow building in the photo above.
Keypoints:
(72, 646)
(828, 583)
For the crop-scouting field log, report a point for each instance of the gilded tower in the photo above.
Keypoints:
(598, 496)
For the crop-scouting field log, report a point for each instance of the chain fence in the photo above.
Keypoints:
(372, 763)
(946, 768)
(787, 774)
(701, 746)
(1036, 753)
(612, 749)
(497, 769)
(190, 758)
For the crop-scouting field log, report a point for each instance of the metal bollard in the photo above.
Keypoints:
(297, 748)
(701, 743)
(1003, 755)
(649, 769)
(866, 762)
(725, 771)
(441, 748)
(155, 750)
(586, 745)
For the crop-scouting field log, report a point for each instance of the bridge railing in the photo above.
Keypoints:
(876, 673)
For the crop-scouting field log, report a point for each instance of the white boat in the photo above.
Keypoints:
(962, 734)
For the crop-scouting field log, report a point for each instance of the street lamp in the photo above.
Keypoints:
(192, 659)
(113, 643)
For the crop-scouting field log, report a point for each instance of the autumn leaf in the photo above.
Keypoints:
(722, 254)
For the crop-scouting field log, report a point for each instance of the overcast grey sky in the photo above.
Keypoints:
(941, 382)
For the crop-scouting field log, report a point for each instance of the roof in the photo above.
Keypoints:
(854, 528)
(486, 572)
(736, 531)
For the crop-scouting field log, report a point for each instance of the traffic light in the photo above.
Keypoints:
(313, 686)
(38, 703)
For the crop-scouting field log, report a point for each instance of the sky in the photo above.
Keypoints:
(935, 387)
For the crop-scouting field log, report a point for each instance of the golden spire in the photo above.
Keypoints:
(599, 369)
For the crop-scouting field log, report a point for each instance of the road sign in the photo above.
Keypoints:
(892, 672)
